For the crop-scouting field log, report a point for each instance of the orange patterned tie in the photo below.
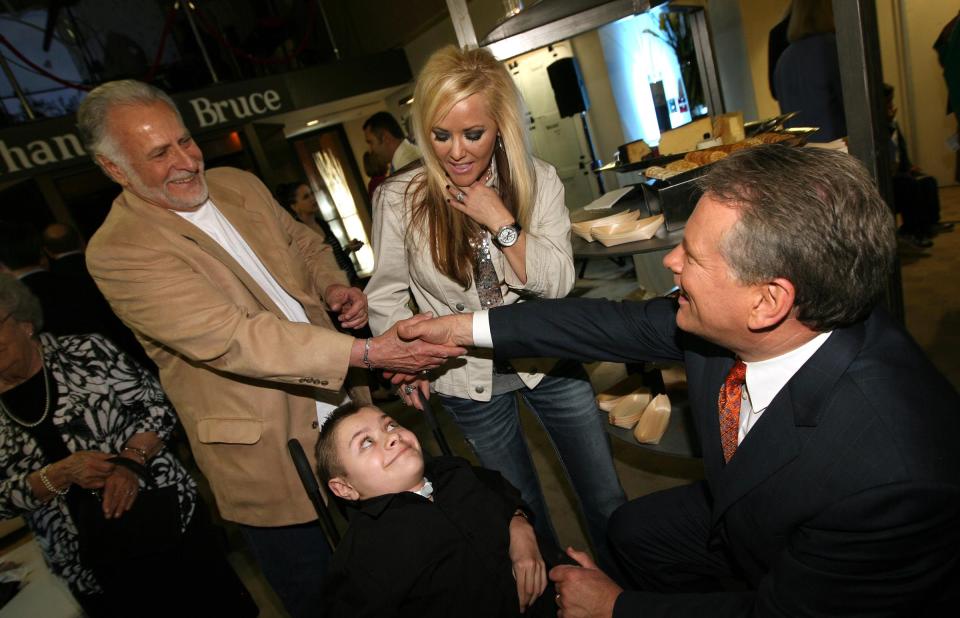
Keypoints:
(729, 406)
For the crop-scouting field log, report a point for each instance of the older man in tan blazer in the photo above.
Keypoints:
(229, 296)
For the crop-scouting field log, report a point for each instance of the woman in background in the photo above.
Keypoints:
(298, 200)
(807, 75)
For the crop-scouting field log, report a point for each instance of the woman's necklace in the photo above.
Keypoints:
(46, 403)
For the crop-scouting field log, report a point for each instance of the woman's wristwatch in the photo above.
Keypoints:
(508, 235)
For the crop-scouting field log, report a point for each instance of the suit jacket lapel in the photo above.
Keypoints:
(254, 229)
(777, 438)
(228, 202)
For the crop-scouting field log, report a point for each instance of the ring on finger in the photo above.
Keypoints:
(408, 389)
(460, 196)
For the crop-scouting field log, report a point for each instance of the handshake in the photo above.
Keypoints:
(412, 347)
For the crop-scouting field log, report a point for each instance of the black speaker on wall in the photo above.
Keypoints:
(568, 87)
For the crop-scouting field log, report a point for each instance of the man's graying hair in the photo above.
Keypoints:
(94, 109)
(813, 217)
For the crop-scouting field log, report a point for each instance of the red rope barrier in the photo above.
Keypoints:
(39, 69)
(167, 25)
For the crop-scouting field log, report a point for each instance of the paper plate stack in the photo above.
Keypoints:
(582, 229)
(630, 408)
(621, 232)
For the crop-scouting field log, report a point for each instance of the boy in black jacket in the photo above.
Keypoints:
(441, 539)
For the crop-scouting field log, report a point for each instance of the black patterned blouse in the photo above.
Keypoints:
(103, 398)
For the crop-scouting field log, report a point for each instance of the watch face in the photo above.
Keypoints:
(507, 235)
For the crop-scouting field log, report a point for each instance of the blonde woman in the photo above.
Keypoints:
(479, 224)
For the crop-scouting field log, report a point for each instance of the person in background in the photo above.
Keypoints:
(72, 304)
(437, 540)
(230, 296)
(916, 195)
(375, 169)
(947, 47)
(298, 199)
(72, 410)
(807, 75)
(64, 249)
(482, 223)
(386, 143)
(777, 43)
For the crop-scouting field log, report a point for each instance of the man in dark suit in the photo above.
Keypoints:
(68, 309)
(829, 441)
(58, 277)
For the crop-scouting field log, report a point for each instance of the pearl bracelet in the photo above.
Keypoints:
(48, 485)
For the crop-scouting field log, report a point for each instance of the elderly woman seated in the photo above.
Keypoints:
(82, 430)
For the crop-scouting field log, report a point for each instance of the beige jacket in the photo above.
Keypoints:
(404, 266)
(238, 373)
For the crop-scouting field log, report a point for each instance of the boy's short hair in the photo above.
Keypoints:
(328, 463)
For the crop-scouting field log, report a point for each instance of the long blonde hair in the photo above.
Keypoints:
(450, 76)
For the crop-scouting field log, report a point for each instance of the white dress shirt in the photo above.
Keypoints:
(766, 378)
(407, 152)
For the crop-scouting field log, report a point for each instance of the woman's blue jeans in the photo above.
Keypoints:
(564, 403)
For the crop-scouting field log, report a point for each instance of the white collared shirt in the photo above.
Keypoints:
(766, 378)
(209, 219)
(407, 152)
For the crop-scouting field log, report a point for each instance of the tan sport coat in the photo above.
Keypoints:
(239, 374)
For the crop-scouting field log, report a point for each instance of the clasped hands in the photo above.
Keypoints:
(416, 345)
(92, 470)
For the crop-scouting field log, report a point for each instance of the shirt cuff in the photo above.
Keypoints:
(482, 337)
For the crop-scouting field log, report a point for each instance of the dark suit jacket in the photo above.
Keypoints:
(404, 555)
(70, 265)
(68, 307)
(86, 309)
(844, 498)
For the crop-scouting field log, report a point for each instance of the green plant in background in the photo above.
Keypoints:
(675, 32)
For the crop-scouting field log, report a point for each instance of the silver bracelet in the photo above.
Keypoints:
(48, 485)
(366, 352)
